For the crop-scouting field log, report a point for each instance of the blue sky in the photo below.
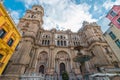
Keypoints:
(65, 14)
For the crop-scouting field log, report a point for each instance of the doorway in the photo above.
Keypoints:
(41, 69)
(62, 68)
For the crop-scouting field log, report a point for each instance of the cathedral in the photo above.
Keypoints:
(51, 52)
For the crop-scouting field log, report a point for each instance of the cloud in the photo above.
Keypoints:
(63, 13)
(15, 15)
(95, 8)
(108, 4)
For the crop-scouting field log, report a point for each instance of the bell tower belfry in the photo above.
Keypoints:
(29, 26)
(32, 21)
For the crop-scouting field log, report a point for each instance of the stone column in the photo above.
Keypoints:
(57, 66)
(73, 64)
(51, 61)
(68, 66)
(34, 60)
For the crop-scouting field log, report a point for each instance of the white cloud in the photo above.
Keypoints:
(63, 13)
(95, 8)
(15, 15)
(108, 4)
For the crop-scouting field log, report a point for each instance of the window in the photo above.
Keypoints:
(2, 33)
(58, 43)
(64, 43)
(113, 14)
(61, 37)
(1, 56)
(42, 41)
(48, 42)
(112, 35)
(10, 42)
(45, 42)
(118, 42)
(46, 36)
(118, 20)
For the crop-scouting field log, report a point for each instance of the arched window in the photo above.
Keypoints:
(45, 42)
(60, 37)
(58, 43)
(42, 41)
(48, 42)
(64, 43)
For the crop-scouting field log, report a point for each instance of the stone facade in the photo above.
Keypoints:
(52, 51)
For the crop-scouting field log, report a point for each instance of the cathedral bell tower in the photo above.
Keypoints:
(29, 26)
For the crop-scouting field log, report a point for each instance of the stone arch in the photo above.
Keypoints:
(62, 50)
(68, 53)
(42, 62)
(62, 57)
(43, 55)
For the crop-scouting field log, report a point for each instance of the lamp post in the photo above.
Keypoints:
(82, 58)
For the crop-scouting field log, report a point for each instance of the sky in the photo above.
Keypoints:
(65, 14)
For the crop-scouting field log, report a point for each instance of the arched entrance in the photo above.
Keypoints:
(42, 62)
(41, 69)
(62, 68)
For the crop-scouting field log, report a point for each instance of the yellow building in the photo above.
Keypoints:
(9, 38)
